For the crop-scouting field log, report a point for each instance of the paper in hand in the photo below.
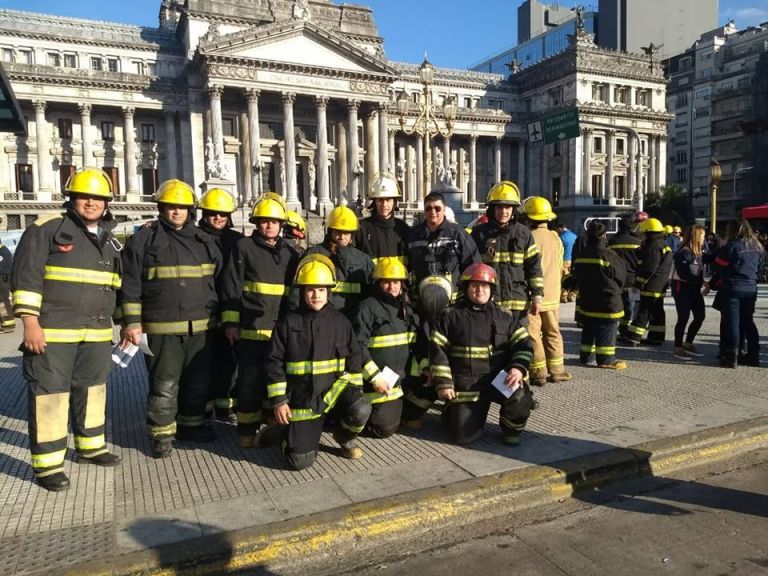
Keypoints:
(390, 377)
(498, 383)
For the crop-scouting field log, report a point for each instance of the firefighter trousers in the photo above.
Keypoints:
(418, 399)
(302, 438)
(548, 356)
(7, 321)
(66, 377)
(251, 384)
(222, 392)
(179, 373)
(466, 420)
(651, 317)
(385, 418)
(598, 337)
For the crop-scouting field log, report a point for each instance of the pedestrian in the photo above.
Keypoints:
(568, 239)
(65, 278)
(652, 279)
(506, 244)
(169, 294)
(382, 234)
(544, 328)
(471, 344)
(626, 243)
(7, 321)
(738, 264)
(392, 343)
(254, 290)
(687, 285)
(354, 268)
(672, 240)
(314, 370)
(600, 274)
(217, 206)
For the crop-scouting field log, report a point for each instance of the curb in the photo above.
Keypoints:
(366, 526)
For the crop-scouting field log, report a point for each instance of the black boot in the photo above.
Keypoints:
(55, 482)
(751, 358)
(728, 359)
(106, 459)
(162, 447)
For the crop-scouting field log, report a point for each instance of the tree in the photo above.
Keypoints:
(670, 204)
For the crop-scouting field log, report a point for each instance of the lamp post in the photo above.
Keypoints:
(733, 197)
(426, 124)
(715, 173)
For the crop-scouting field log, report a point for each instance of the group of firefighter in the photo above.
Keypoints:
(362, 333)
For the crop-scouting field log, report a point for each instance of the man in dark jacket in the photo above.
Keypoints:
(65, 278)
(626, 243)
(381, 234)
(7, 322)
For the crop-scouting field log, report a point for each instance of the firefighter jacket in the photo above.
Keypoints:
(471, 343)
(445, 251)
(512, 251)
(389, 334)
(225, 239)
(600, 273)
(378, 237)
(255, 285)
(68, 277)
(169, 280)
(627, 246)
(354, 275)
(313, 357)
(551, 249)
(6, 261)
(654, 264)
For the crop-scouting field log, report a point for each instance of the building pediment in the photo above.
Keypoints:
(298, 42)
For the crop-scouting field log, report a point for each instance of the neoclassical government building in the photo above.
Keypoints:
(298, 96)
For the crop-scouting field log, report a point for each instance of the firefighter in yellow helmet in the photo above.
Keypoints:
(548, 357)
(295, 230)
(508, 246)
(354, 268)
(314, 370)
(169, 294)
(382, 234)
(217, 207)
(65, 279)
(254, 292)
(393, 345)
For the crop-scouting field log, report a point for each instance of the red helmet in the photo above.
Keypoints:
(640, 216)
(479, 272)
(482, 219)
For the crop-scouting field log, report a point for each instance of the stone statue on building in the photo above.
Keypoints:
(401, 168)
(580, 27)
(273, 8)
(465, 169)
(301, 10)
(281, 168)
(211, 164)
(311, 174)
(439, 167)
(651, 50)
(452, 168)
(154, 155)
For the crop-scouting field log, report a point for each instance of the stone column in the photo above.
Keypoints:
(385, 154)
(391, 166)
(586, 161)
(497, 160)
(473, 170)
(353, 152)
(447, 154)
(631, 167)
(609, 194)
(292, 197)
(245, 184)
(420, 168)
(324, 203)
(171, 160)
(341, 163)
(190, 124)
(254, 143)
(662, 171)
(214, 95)
(651, 162)
(44, 170)
(371, 148)
(410, 169)
(85, 128)
(129, 137)
(659, 163)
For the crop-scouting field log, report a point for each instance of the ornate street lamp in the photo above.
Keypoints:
(715, 173)
(426, 123)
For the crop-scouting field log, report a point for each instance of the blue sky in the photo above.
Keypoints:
(452, 35)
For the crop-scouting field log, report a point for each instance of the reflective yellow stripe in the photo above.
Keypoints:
(499, 257)
(606, 315)
(258, 335)
(131, 308)
(462, 397)
(598, 261)
(536, 282)
(605, 350)
(588, 348)
(315, 367)
(178, 327)
(90, 443)
(277, 389)
(354, 378)
(82, 276)
(636, 329)
(666, 249)
(513, 304)
(538, 365)
(518, 335)
(651, 294)
(555, 361)
(67, 335)
(264, 288)
(232, 316)
(402, 339)
(370, 369)
(169, 272)
(470, 351)
(49, 459)
(641, 280)
(423, 403)
(347, 288)
(533, 249)
(225, 403)
(624, 246)
(303, 414)
(522, 356)
(249, 417)
(27, 298)
(334, 392)
(549, 306)
(377, 398)
(438, 338)
(441, 371)
(158, 431)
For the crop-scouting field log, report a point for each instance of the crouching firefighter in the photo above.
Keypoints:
(314, 370)
(390, 336)
(469, 345)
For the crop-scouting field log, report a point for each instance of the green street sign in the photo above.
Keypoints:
(561, 126)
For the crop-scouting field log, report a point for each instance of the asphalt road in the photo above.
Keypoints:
(713, 522)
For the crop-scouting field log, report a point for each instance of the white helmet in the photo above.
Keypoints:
(450, 215)
(383, 185)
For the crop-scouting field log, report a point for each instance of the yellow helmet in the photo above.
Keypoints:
(295, 221)
(677, 230)
(383, 185)
(668, 229)
(267, 208)
(217, 200)
(342, 218)
(316, 270)
(538, 209)
(390, 268)
(91, 181)
(651, 225)
(175, 192)
(505, 192)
